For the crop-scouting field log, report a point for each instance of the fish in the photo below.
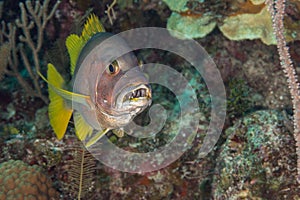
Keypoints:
(101, 95)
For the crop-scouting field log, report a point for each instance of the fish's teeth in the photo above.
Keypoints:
(138, 93)
(142, 92)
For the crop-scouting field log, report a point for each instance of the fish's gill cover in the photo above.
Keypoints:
(75, 43)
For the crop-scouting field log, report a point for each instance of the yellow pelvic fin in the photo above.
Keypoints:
(82, 128)
(118, 132)
(97, 137)
(59, 113)
(75, 43)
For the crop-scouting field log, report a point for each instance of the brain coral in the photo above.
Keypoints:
(21, 181)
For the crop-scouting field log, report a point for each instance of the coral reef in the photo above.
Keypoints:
(21, 181)
(256, 158)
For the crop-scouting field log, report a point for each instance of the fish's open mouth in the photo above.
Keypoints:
(142, 92)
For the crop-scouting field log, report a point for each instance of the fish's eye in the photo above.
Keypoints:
(113, 68)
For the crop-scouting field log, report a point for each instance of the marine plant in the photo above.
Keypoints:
(23, 39)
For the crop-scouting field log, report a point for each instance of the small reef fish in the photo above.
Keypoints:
(103, 96)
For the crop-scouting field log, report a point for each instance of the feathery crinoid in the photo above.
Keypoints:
(81, 172)
(4, 55)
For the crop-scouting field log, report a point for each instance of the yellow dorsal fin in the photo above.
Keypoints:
(91, 27)
(75, 43)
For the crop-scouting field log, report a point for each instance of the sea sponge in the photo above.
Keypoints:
(185, 24)
(21, 181)
(249, 26)
(188, 27)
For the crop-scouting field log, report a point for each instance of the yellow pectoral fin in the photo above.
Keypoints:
(73, 97)
(97, 137)
(82, 128)
(56, 82)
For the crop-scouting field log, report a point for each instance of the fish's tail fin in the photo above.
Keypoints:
(59, 113)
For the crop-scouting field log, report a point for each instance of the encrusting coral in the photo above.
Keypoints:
(256, 158)
(21, 181)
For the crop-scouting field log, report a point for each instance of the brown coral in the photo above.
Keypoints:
(21, 181)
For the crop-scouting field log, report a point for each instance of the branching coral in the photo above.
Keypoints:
(110, 12)
(32, 22)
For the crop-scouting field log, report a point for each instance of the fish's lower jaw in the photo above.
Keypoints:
(117, 119)
(137, 103)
